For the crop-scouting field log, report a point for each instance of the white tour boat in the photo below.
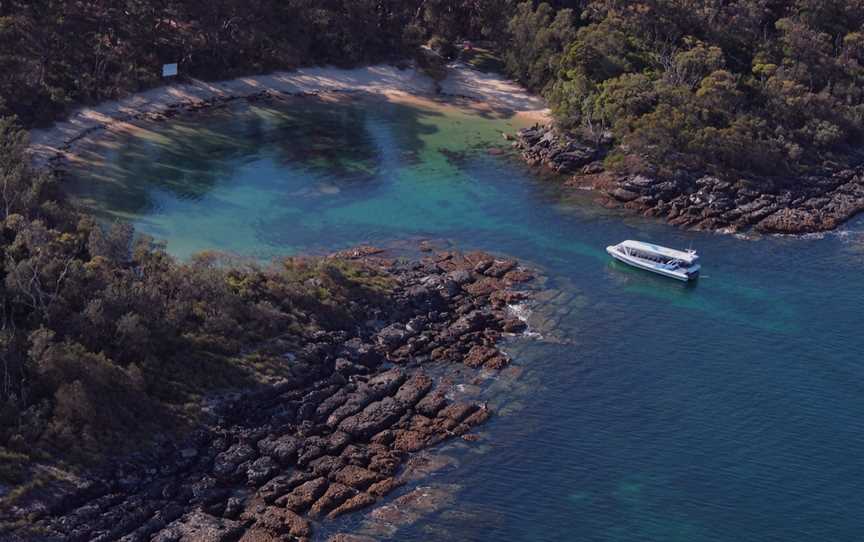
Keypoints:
(678, 264)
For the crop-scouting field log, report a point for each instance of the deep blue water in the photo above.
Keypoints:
(728, 410)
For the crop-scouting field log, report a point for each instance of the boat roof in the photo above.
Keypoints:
(684, 256)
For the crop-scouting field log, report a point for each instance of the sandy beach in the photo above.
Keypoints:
(464, 84)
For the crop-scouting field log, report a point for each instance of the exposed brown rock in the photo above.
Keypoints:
(414, 389)
(518, 276)
(304, 495)
(342, 537)
(283, 484)
(361, 500)
(356, 477)
(819, 201)
(409, 441)
(335, 495)
(385, 463)
(276, 523)
(457, 411)
(373, 418)
(484, 286)
(379, 489)
(496, 362)
(479, 354)
(328, 440)
(432, 403)
(196, 526)
(283, 448)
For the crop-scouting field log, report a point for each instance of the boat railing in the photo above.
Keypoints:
(669, 261)
(644, 256)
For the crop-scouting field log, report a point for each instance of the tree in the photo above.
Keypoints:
(538, 37)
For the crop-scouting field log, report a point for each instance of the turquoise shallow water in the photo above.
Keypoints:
(728, 410)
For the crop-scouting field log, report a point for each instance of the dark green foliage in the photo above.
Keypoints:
(56, 54)
(779, 81)
(443, 46)
(101, 333)
(538, 38)
(756, 86)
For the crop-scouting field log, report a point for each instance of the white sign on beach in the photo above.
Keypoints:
(169, 70)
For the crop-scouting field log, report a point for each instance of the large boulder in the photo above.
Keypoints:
(356, 477)
(283, 484)
(386, 383)
(261, 470)
(226, 464)
(414, 389)
(197, 525)
(356, 502)
(393, 336)
(283, 449)
(335, 495)
(432, 403)
(304, 495)
(274, 524)
(374, 418)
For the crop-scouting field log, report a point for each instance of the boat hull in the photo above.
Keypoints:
(684, 276)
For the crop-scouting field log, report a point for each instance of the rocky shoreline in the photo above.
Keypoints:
(334, 438)
(808, 204)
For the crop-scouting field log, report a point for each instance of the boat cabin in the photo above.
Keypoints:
(658, 254)
(678, 264)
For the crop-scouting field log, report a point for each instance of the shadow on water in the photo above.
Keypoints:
(339, 145)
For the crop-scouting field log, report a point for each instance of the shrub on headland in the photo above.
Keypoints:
(103, 335)
(745, 86)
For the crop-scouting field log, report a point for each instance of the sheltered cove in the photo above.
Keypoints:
(703, 202)
(338, 435)
(487, 92)
(192, 516)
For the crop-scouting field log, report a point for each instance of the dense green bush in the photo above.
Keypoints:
(443, 46)
(57, 54)
(102, 333)
(753, 86)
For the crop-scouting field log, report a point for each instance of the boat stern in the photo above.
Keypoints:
(693, 272)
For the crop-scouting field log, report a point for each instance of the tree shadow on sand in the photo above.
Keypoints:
(348, 142)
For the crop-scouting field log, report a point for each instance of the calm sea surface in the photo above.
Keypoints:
(728, 410)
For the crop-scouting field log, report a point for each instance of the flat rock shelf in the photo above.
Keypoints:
(335, 438)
